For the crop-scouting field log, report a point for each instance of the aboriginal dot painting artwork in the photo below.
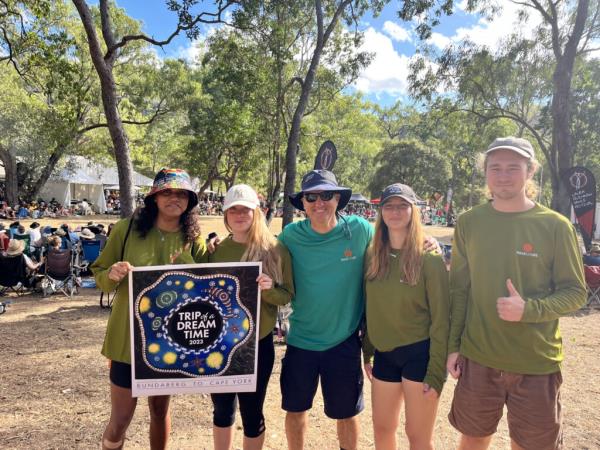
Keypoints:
(194, 324)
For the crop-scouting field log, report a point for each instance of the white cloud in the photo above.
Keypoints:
(439, 40)
(388, 71)
(396, 32)
(490, 33)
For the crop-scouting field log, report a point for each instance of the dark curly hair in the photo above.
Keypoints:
(145, 216)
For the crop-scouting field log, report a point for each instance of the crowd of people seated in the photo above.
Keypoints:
(25, 250)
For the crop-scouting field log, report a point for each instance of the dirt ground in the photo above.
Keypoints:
(54, 387)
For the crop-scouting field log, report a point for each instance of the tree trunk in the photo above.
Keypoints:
(294, 137)
(46, 172)
(275, 175)
(562, 144)
(561, 136)
(104, 68)
(9, 162)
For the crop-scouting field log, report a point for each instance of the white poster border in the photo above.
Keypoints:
(192, 385)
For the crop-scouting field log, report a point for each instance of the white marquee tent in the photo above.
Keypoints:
(83, 178)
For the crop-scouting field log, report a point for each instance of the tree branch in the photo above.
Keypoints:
(214, 19)
(156, 114)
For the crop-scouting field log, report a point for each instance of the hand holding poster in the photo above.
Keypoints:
(194, 328)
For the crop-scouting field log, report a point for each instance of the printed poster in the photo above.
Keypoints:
(194, 328)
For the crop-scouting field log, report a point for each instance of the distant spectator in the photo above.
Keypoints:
(87, 234)
(4, 238)
(593, 256)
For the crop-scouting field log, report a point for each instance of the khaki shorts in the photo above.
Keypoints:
(533, 404)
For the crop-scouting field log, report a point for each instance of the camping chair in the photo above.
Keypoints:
(13, 274)
(27, 239)
(90, 250)
(592, 281)
(60, 273)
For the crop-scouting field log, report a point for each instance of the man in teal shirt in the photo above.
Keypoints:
(327, 252)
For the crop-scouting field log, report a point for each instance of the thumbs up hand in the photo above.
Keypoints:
(510, 308)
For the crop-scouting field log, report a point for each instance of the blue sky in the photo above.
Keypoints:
(392, 41)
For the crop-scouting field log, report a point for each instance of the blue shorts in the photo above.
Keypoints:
(340, 371)
(408, 361)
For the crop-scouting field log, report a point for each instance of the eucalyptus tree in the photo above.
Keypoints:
(106, 48)
(568, 30)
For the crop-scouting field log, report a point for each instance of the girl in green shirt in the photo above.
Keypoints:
(251, 240)
(407, 311)
(166, 230)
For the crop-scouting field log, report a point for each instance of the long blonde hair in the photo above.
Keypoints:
(380, 249)
(261, 246)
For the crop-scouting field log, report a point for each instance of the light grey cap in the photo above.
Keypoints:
(518, 145)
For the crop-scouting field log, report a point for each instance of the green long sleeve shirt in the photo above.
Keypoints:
(399, 314)
(157, 248)
(231, 251)
(537, 249)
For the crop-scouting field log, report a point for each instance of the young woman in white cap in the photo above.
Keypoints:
(166, 230)
(251, 240)
(407, 311)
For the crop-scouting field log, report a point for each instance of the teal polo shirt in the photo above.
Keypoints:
(328, 277)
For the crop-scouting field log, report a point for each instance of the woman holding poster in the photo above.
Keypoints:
(166, 230)
(407, 310)
(251, 240)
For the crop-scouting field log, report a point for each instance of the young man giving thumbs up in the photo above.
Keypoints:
(515, 270)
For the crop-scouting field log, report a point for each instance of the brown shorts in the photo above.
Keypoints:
(533, 404)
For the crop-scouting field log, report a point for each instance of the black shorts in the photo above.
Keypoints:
(340, 371)
(120, 374)
(408, 361)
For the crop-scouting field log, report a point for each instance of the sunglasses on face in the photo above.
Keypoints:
(179, 193)
(312, 197)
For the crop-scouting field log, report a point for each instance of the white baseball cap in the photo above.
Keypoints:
(241, 194)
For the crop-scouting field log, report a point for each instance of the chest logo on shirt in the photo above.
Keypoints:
(348, 255)
(527, 249)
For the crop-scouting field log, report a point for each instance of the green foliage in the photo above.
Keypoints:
(409, 161)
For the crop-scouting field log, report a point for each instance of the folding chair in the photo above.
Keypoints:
(90, 250)
(60, 273)
(13, 274)
(592, 280)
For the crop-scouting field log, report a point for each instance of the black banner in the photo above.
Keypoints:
(581, 185)
(326, 156)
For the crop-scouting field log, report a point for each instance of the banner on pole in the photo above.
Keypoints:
(326, 156)
(581, 185)
(194, 328)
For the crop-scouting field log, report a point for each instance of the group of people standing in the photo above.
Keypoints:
(493, 324)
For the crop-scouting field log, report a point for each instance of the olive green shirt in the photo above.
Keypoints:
(537, 249)
(157, 248)
(279, 295)
(399, 314)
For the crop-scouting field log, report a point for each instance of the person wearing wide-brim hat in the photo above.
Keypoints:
(17, 247)
(165, 230)
(327, 252)
(87, 234)
(321, 181)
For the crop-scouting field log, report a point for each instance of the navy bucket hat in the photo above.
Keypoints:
(321, 180)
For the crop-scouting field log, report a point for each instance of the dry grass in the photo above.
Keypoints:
(54, 387)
